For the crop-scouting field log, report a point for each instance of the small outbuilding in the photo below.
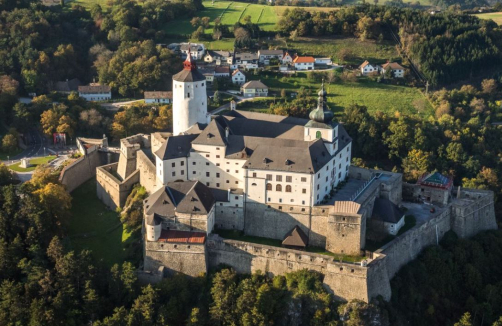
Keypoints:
(296, 239)
(386, 216)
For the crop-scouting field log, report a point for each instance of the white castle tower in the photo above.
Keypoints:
(189, 97)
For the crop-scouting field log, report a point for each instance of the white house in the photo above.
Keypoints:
(323, 61)
(367, 68)
(304, 63)
(196, 50)
(218, 57)
(386, 216)
(208, 73)
(238, 77)
(396, 68)
(158, 97)
(264, 56)
(245, 60)
(95, 92)
(286, 58)
(254, 88)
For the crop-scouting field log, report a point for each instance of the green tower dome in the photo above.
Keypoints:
(322, 113)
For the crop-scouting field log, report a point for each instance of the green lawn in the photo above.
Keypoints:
(376, 96)
(33, 162)
(495, 16)
(90, 216)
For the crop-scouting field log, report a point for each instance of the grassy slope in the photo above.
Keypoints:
(231, 12)
(91, 216)
(376, 96)
(495, 16)
(34, 163)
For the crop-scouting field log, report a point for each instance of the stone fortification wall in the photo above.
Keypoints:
(347, 281)
(148, 177)
(473, 211)
(407, 246)
(229, 217)
(111, 190)
(277, 220)
(84, 168)
(186, 258)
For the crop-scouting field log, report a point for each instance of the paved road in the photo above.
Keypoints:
(117, 105)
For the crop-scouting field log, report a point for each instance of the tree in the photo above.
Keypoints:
(43, 175)
(283, 93)
(489, 86)
(165, 118)
(55, 200)
(217, 97)
(205, 21)
(9, 143)
(6, 175)
(466, 320)
(195, 22)
(416, 164)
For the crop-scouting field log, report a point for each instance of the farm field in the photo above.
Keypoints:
(92, 226)
(495, 16)
(375, 96)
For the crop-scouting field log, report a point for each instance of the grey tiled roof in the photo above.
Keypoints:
(189, 76)
(253, 84)
(386, 211)
(176, 147)
(190, 197)
(296, 238)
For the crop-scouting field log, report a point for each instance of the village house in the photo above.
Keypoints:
(208, 73)
(238, 77)
(245, 60)
(304, 63)
(66, 87)
(222, 71)
(218, 57)
(158, 97)
(95, 92)
(396, 68)
(367, 68)
(286, 58)
(323, 61)
(254, 88)
(266, 55)
(196, 50)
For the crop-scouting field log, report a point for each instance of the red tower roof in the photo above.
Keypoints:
(189, 63)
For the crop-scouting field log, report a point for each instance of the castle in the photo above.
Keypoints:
(281, 178)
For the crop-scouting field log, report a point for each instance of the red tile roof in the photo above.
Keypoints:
(174, 236)
(304, 60)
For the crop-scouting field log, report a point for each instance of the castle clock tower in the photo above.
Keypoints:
(189, 97)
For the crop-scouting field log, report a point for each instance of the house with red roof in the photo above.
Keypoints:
(304, 63)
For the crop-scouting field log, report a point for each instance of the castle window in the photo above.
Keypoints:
(221, 204)
(236, 205)
(217, 175)
(269, 177)
(228, 181)
(174, 174)
(188, 247)
(326, 178)
(182, 172)
(303, 179)
(278, 178)
(253, 184)
(280, 207)
(278, 188)
(317, 187)
(303, 209)
(207, 163)
(188, 94)
(202, 84)
(217, 156)
(193, 163)
(175, 246)
(217, 164)
(236, 171)
(318, 135)
(291, 208)
(173, 165)
(289, 178)
(254, 174)
(207, 174)
(228, 170)
(269, 186)
(193, 172)
(207, 155)
(207, 184)
(217, 185)
(303, 202)
(288, 188)
(236, 182)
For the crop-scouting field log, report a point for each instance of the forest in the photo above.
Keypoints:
(446, 47)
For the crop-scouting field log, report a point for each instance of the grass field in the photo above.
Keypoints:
(91, 217)
(495, 16)
(376, 96)
(231, 12)
(33, 162)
